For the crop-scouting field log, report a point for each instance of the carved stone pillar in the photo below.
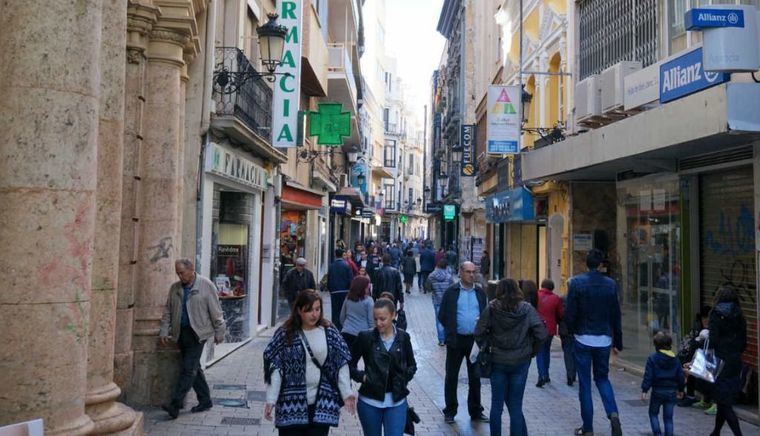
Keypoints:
(140, 20)
(159, 215)
(49, 80)
(108, 415)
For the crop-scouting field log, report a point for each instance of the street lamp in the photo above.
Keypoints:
(233, 70)
(527, 99)
(456, 154)
(361, 178)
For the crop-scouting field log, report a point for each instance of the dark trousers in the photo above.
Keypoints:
(191, 375)
(454, 356)
(336, 304)
(306, 430)
(665, 399)
(422, 278)
(567, 353)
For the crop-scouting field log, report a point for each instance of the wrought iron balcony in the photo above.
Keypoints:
(252, 101)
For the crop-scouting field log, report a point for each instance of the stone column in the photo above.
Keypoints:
(49, 82)
(140, 20)
(108, 415)
(158, 245)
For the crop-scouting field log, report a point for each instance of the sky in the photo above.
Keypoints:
(414, 21)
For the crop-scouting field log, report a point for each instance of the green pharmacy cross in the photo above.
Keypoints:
(330, 124)
(403, 219)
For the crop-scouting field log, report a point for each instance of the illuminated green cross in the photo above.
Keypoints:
(403, 219)
(330, 124)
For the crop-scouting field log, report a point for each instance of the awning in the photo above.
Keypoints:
(514, 205)
(352, 194)
(294, 197)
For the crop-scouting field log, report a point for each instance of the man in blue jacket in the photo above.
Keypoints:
(593, 318)
(339, 278)
(427, 265)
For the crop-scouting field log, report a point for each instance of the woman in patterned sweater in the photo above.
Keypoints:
(306, 371)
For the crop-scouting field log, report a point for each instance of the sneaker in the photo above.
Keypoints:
(201, 408)
(712, 410)
(579, 431)
(701, 404)
(570, 381)
(615, 425)
(541, 383)
(449, 419)
(481, 417)
(441, 344)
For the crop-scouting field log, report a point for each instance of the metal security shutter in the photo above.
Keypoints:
(727, 244)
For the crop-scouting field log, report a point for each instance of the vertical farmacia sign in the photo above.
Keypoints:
(287, 90)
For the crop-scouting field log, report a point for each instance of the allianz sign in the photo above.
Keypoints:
(684, 75)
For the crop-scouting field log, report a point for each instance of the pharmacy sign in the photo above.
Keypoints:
(287, 90)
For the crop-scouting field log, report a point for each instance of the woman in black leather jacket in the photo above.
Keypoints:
(389, 366)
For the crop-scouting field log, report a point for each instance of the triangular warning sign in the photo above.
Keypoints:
(503, 97)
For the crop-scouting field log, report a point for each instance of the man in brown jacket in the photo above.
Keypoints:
(192, 316)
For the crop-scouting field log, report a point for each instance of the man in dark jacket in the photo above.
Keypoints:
(388, 279)
(593, 317)
(296, 280)
(395, 253)
(339, 278)
(427, 265)
(461, 306)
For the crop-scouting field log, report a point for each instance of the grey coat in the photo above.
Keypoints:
(203, 309)
(513, 335)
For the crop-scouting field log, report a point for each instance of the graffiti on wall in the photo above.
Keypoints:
(734, 240)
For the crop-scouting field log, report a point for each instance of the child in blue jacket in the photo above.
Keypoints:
(665, 377)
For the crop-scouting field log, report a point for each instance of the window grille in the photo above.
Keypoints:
(611, 31)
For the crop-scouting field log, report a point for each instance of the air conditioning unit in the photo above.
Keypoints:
(613, 86)
(588, 100)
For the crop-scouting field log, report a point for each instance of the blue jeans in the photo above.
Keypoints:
(438, 325)
(508, 386)
(666, 399)
(374, 419)
(543, 357)
(585, 356)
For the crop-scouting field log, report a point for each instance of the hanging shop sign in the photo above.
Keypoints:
(403, 219)
(684, 75)
(467, 142)
(340, 206)
(449, 212)
(232, 166)
(504, 119)
(514, 205)
(730, 37)
(702, 18)
(287, 90)
(330, 124)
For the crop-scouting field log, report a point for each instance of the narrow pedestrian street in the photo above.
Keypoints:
(238, 391)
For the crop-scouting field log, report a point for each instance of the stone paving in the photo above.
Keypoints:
(238, 391)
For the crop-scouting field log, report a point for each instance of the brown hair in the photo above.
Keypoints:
(508, 293)
(442, 264)
(389, 296)
(304, 301)
(662, 341)
(385, 303)
(358, 289)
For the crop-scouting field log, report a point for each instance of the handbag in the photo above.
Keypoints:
(411, 419)
(705, 365)
(484, 360)
(401, 319)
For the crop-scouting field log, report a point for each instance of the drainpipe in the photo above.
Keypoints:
(208, 60)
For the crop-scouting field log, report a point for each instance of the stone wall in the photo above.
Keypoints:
(593, 212)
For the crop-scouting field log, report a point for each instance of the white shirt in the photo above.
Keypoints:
(318, 343)
(598, 341)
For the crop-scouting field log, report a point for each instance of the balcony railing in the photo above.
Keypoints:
(252, 102)
(340, 62)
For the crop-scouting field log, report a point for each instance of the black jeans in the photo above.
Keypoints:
(567, 352)
(454, 356)
(191, 375)
(306, 430)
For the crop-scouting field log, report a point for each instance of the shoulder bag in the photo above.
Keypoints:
(484, 360)
(705, 364)
(333, 383)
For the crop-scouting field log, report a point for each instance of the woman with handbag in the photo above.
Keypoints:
(306, 371)
(728, 337)
(512, 331)
(389, 366)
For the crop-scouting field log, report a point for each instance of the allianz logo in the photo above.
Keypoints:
(678, 76)
(732, 17)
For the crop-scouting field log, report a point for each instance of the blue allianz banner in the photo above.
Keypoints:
(510, 206)
(697, 19)
(685, 75)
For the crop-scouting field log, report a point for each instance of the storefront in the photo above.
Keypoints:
(303, 228)
(231, 210)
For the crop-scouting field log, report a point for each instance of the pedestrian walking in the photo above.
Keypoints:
(192, 316)
(373, 262)
(409, 268)
(485, 265)
(356, 314)
(388, 279)
(568, 341)
(451, 257)
(530, 292)
(513, 331)
(389, 366)
(296, 280)
(427, 265)
(395, 253)
(440, 254)
(728, 336)
(339, 278)
(551, 310)
(664, 376)
(349, 256)
(306, 371)
(437, 283)
(593, 317)
(461, 306)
